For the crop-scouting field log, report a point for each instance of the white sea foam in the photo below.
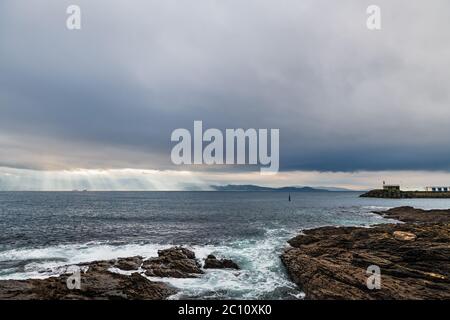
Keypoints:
(45, 262)
(377, 207)
(261, 274)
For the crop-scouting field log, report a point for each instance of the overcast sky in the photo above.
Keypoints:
(346, 99)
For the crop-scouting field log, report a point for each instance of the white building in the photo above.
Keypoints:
(438, 189)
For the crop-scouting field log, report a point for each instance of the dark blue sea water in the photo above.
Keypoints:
(40, 231)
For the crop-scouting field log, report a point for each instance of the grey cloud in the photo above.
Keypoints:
(109, 95)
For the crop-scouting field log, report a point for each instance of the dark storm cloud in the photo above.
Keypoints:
(109, 96)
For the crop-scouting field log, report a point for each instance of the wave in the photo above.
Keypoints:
(261, 275)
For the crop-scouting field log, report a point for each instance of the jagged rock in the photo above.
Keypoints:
(99, 282)
(211, 262)
(174, 262)
(129, 264)
(412, 215)
(96, 283)
(98, 265)
(404, 236)
(331, 263)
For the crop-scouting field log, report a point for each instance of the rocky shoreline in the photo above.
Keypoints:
(413, 257)
(326, 263)
(122, 278)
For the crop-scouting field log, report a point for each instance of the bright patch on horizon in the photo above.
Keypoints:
(96, 180)
(170, 180)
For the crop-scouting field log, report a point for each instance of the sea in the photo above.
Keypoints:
(42, 231)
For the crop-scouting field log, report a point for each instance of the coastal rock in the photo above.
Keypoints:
(414, 258)
(129, 264)
(97, 266)
(174, 262)
(211, 262)
(96, 283)
(412, 215)
(404, 236)
(99, 281)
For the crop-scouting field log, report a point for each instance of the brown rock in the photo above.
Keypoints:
(175, 262)
(404, 236)
(211, 262)
(96, 283)
(128, 264)
(99, 283)
(412, 215)
(414, 258)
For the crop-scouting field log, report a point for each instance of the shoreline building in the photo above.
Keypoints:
(391, 187)
(437, 189)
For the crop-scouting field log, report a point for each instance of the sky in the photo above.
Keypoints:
(95, 108)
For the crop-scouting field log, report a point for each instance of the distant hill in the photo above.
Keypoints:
(338, 189)
(250, 187)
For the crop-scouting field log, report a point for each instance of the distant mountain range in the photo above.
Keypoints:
(250, 187)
